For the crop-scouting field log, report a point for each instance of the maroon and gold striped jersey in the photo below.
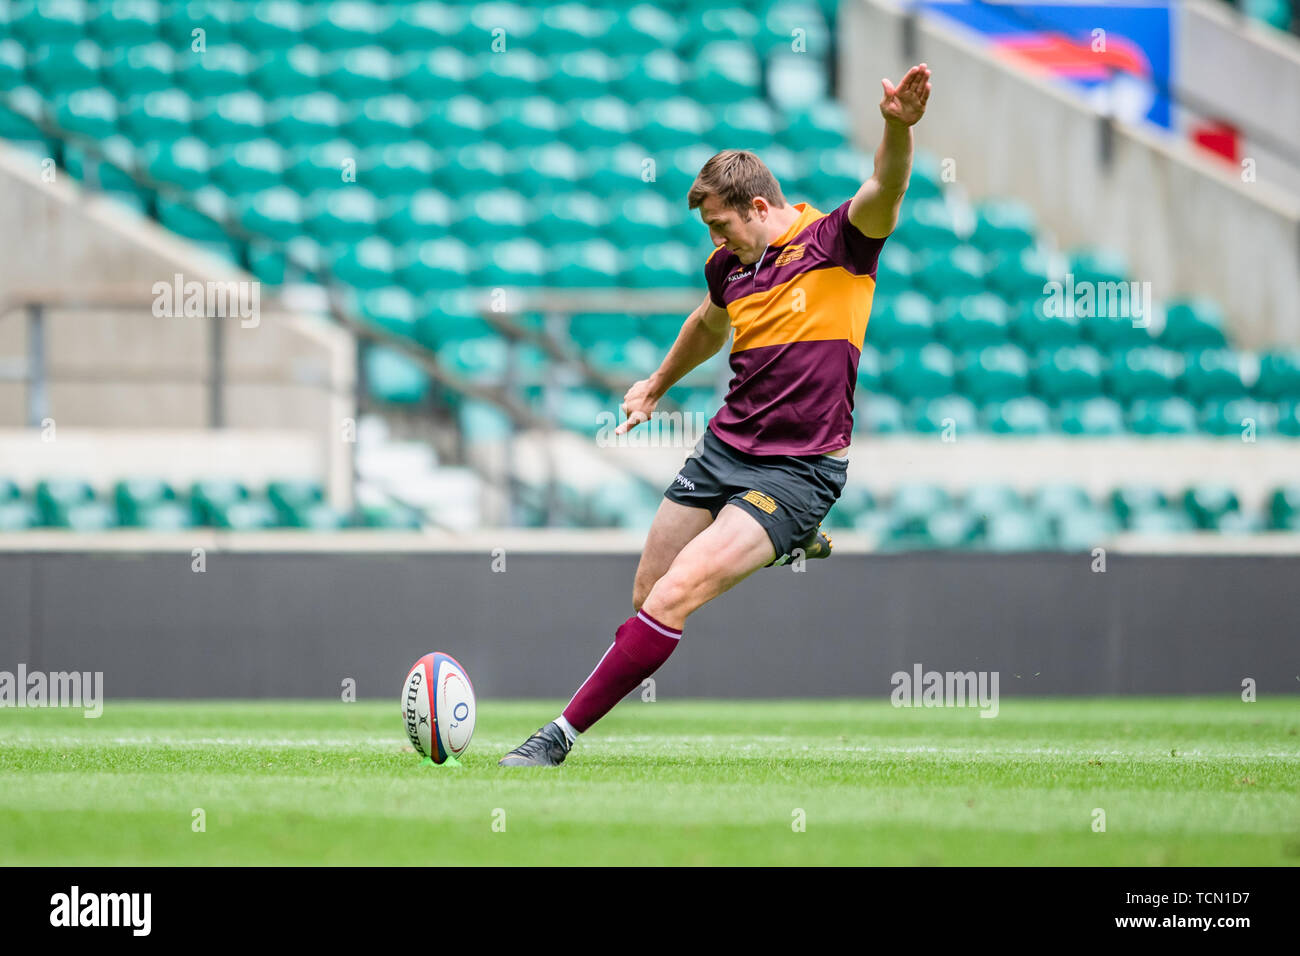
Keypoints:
(799, 314)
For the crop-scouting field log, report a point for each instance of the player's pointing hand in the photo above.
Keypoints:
(905, 103)
(638, 404)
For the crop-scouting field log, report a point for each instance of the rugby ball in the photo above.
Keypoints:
(438, 707)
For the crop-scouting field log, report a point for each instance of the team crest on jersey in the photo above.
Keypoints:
(790, 254)
(760, 500)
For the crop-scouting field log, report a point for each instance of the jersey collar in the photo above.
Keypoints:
(807, 214)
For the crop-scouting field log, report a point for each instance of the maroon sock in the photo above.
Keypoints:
(640, 647)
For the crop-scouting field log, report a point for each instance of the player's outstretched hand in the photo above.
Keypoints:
(905, 103)
(638, 405)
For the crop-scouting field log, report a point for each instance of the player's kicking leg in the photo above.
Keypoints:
(673, 527)
(730, 549)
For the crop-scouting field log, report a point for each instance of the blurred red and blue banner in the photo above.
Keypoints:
(1117, 53)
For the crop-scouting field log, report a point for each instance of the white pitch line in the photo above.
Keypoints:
(768, 746)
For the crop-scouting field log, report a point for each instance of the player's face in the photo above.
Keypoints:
(727, 228)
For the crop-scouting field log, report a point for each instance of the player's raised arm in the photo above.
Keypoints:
(703, 333)
(874, 209)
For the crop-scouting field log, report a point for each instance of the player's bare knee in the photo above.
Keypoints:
(673, 591)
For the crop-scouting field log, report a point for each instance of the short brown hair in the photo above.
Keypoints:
(735, 176)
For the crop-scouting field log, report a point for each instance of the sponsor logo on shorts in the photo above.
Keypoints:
(760, 500)
(684, 482)
(790, 254)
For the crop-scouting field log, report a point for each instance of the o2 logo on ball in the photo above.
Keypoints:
(438, 707)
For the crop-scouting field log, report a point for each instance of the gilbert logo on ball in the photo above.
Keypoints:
(438, 707)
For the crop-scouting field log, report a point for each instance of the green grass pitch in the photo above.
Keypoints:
(1181, 781)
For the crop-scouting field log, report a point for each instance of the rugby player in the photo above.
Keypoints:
(796, 286)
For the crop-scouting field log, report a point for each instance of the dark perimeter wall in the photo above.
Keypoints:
(298, 624)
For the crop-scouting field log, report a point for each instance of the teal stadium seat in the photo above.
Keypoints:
(1020, 276)
(1279, 376)
(1173, 415)
(1208, 505)
(1023, 415)
(209, 496)
(1002, 226)
(55, 497)
(1193, 324)
(421, 214)
(928, 225)
(276, 213)
(427, 71)
(392, 308)
(986, 499)
(901, 321)
(1283, 507)
(379, 120)
(159, 116)
(239, 117)
(493, 215)
(1016, 531)
(185, 162)
(823, 125)
(344, 23)
(658, 75)
(435, 265)
(879, 415)
(1040, 327)
(1149, 372)
(551, 171)
(50, 21)
(394, 378)
(1095, 416)
(1238, 416)
(13, 63)
(513, 263)
(1071, 372)
(596, 263)
(952, 414)
(369, 264)
(136, 70)
(724, 71)
(993, 373)
(1216, 373)
(308, 167)
(358, 73)
(272, 24)
(63, 67)
(219, 70)
(1098, 266)
(973, 321)
(447, 317)
(754, 122)
(91, 113)
(926, 371)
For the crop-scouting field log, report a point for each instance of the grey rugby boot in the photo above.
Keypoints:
(546, 748)
(819, 546)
